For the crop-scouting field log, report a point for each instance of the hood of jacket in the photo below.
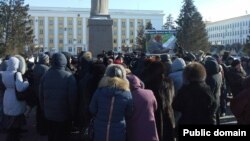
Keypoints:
(43, 58)
(22, 64)
(12, 64)
(59, 61)
(134, 82)
(114, 82)
(212, 67)
(178, 64)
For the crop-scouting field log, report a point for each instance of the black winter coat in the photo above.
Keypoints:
(196, 104)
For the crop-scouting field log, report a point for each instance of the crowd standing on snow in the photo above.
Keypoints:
(127, 97)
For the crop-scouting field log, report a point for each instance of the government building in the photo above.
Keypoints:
(66, 29)
(229, 31)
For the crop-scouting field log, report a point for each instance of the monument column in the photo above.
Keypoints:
(100, 27)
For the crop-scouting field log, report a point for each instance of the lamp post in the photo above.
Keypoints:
(74, 46)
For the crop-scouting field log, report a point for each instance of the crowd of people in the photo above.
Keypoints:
(131, 97)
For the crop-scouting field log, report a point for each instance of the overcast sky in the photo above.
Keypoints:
(212, 10)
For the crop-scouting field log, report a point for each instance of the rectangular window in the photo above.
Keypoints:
(51, 41)
(61, 41)
(40, 22)
(123, 24)
(123, 32)
(70, 41)
(115, 23)
(51, 22)
(70, 49)
(131, 24)
(40, 31)
(115, 41)
(123, 41)
(79, 41)
(131, 33)
(61, 30)
(70, 22)
(131, 41)
(79, 22)
(51, 31)
(40, 40)
(60, 22)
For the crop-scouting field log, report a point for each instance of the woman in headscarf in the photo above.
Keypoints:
(143, 114)
(111, 105)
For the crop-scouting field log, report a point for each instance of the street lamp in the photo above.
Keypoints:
(74, 46)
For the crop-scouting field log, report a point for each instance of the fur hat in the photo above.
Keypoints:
(235, 63)
(115, 70)
(43, 58)
(22, 64)
(115, 76)
(87, 55)
(194, 72)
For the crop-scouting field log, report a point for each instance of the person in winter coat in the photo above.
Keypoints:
(57, 96)
(142, 126)
(39, 70)
(195, 100)
(214, 81)
(240, 104)
(163, 89)
(87, 88)
(3, 67)
(112, 105)
(13, 109)
(176, 74)
(236, 76)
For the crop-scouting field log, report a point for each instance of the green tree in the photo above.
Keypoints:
(169, 23)
(191, 32)
(141, 39)
(15, 27)
(149, 26)
(246, 48)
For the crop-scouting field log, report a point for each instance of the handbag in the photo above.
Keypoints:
(21, 96)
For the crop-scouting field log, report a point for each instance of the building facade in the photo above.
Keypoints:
(66, 29)
(229, 31)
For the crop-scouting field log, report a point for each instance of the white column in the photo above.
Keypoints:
(46, 34)
(135, 27)
(119, 28)
(144, 23)
(127, 33)
(127, 29)
(75, 36)
(65, 40)
(56, 32)
(84, 33)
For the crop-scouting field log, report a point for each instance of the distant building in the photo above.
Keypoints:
(66, 29)
(229, 31)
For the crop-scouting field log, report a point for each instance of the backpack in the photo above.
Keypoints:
(21, 96)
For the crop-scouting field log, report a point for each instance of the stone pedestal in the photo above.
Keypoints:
(100, 34)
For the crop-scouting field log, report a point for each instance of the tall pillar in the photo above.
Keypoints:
(100, 28)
